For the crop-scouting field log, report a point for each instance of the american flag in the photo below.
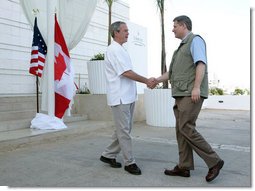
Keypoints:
(38, 53)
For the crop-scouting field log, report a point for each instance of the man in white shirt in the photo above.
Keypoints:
(121, 97)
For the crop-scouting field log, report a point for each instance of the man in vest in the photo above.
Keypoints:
(189, 81)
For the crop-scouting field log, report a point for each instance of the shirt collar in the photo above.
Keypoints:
(186, 36)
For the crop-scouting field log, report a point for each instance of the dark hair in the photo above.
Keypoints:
(115, 27)
(184, 20)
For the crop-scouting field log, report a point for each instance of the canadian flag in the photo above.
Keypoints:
(64, 74)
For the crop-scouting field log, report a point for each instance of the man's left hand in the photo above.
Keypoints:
(195, 95)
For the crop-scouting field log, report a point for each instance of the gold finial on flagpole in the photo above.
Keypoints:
(35, 11)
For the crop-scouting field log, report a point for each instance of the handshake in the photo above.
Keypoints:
(152, 82)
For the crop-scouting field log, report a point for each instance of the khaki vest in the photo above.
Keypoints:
(182, 71)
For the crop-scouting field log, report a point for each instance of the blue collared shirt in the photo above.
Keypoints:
(198, 50)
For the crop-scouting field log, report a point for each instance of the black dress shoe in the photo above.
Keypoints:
(133, 169)
(177, 172)
(214, 171)
(112, 162)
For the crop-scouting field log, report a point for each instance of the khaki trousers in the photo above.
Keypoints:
(186, 113)
(121, 139)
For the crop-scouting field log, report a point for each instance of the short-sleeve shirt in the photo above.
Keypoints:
(120, 89)
(198, 50)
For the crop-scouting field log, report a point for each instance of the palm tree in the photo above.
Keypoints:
(109, 3)
(160, 4)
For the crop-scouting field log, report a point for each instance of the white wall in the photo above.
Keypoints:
(15, 48)
(95, 39)
(137, 48)
(16, 40)
(227, 102)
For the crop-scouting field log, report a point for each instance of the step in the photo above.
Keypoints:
(11, 125)
(10, 140)
(75, 118)
(18, 103)
(15, 115)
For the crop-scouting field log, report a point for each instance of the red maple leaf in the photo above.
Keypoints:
(59, 66)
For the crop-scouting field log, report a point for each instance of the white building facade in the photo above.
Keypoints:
(16, 39)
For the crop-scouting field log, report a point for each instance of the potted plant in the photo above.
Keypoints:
(96, 74)
(96, 66)
(159, 102)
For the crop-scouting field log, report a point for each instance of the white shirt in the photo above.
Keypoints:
(119, 88)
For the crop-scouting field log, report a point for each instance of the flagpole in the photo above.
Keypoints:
(35, 11)
(37, 94)
(51, 4)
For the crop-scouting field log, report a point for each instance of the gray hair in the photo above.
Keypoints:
(183, 19)
(115, 27)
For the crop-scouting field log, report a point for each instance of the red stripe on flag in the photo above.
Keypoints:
(33, 70)
(34, 52)
(41, 59)
(40, 67)
(61, 105)
(33, 60)
(38, 52)
(59, 38)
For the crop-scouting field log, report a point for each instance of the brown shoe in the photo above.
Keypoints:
(177, 172)
(133, 169)
(214, 171)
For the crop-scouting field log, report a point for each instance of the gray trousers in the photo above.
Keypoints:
(186, 113)
(121, 139)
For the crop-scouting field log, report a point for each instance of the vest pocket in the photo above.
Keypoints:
(181, 83)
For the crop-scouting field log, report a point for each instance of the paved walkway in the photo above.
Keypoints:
(70, 158)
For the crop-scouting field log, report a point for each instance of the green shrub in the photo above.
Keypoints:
(98, 56)
(216, 91)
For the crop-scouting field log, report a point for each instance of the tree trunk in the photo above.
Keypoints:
(163, 51)
(109, 23)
